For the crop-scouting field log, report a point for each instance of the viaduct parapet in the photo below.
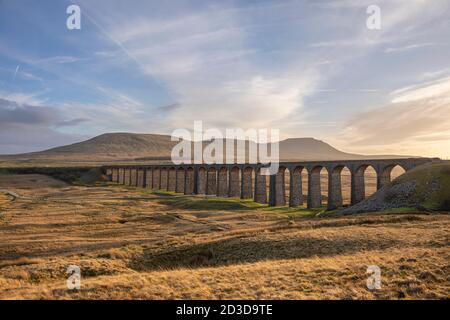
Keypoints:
(245, 181)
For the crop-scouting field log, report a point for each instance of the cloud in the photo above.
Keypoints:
(410, 47)
(57, 60)
(25, 127)
(254, 102)
(20, 73)
(435, 74)
(29, 76)
(14, 112)
(15, 72)
(21, 138)
(116, 111)
(429, 90)
(204, 59)
(169, 108)
(416, 114)
(70, 123)
(208, 62)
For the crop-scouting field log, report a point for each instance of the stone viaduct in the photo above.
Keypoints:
(245, 181)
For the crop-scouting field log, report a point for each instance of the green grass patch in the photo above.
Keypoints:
(161, 192)
(206, 203)
(218, 203)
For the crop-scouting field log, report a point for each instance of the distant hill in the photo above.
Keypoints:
(117, 145)
(312, 149)
(113, 147)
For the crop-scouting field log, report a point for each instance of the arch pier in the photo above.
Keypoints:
(246, 181)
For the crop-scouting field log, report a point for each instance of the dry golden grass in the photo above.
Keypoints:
(130, 245)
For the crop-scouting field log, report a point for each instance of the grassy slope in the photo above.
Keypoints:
(426, 176)
(424, 188)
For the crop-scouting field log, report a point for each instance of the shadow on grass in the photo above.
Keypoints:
(238, 250)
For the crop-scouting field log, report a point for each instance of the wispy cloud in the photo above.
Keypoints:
(431, 90)
(72, 122)
(169, 108)
(417, 115)
(58, 60)
(193, 55)
(15, 72)
(410, 47)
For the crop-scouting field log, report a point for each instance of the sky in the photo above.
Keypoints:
(307, 68)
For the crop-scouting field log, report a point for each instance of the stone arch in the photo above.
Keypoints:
(334, 198)
(296, 186)
(121, 176)
(234, 182)
(179, 188)
(149, 178)
(141, 177)
(287, 183)
(108, 172)
(115, 175)
(156, 178)
(260, 190)
(247, 183)
(201, 180)
(127, 176)
(346, 185)
(189, 181)
(211, 181)
(385, 174)
(317, 185)
(164, 178)
(363, 182)
(133, 177)
(172, 179)
(277, 190)
(370, 180)
(222, 182)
